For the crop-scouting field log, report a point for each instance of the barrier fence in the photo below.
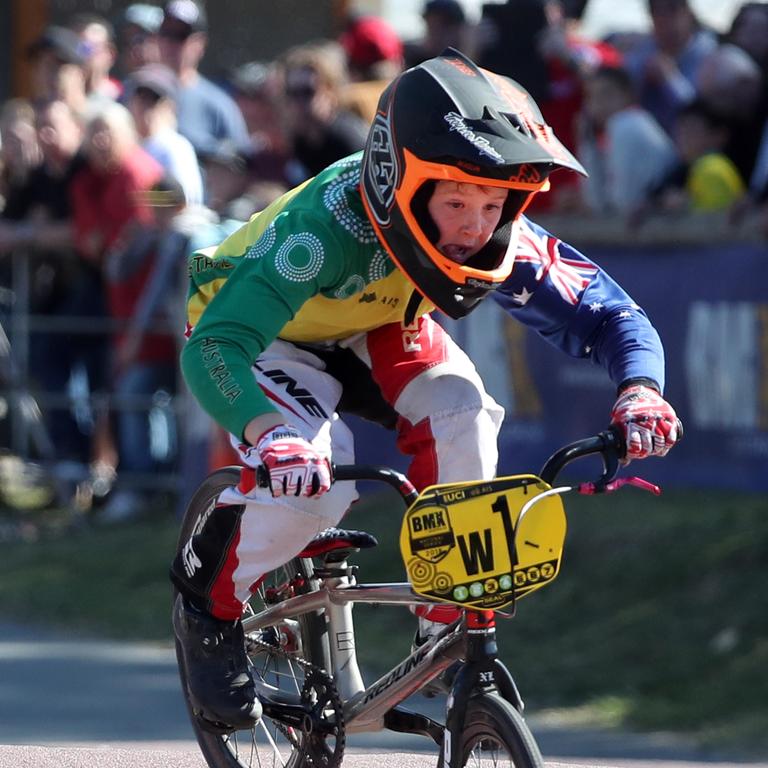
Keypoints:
(24, 406)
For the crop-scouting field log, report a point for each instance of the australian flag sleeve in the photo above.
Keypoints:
(577, 307)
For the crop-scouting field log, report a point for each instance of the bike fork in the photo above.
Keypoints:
(482, 670)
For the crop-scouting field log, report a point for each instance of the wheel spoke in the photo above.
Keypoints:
(275, 750)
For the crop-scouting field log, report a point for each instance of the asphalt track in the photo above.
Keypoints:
(180, 756)
(75, 702)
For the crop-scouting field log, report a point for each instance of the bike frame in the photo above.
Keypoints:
(368, 708)
(375, 707)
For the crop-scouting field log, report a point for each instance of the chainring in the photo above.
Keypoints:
(320, 695)
(327, 721)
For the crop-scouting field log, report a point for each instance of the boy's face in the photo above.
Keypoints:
(466, 216)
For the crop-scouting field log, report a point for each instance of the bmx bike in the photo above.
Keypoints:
(480, 545)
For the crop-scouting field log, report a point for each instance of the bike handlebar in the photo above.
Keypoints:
(608, 443)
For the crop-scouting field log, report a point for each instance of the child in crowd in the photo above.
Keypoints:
(707, 180)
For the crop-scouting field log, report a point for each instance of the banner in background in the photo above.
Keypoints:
(710, 306)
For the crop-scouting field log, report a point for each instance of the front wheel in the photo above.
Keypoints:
(495, 734)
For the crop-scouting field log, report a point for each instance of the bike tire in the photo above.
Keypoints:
(241, 749)
(492, 726)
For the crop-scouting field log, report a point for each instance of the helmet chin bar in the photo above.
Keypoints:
(459, 304)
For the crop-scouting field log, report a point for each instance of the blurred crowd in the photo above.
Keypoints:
(107, 184)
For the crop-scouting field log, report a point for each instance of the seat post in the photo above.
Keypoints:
(341, 634)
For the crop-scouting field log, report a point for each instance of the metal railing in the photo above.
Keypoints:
(23, 406)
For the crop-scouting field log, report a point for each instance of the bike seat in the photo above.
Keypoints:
(337, 538)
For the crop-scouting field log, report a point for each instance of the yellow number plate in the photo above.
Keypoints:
(464, 543)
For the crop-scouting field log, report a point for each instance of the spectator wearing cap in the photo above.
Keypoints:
(374, 54)
(97, 44)
(58, 68)
(320, 128)
(151, 93)
(138, 36)
(374, 50)
(206, 114)
(445, 25)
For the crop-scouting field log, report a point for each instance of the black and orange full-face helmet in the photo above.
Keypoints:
(448, 119)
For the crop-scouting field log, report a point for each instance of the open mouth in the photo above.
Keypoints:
(457, 253)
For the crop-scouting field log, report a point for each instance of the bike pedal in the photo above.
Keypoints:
(223, 729)
(219, 729)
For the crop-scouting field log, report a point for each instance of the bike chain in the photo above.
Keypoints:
(313, 750)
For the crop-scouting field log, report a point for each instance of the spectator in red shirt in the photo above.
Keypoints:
(105, 191)
(114, 228)
(569, 58)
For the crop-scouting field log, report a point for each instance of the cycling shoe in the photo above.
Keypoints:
(218, 678)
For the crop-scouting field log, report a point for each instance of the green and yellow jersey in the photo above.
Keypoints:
(308, 268)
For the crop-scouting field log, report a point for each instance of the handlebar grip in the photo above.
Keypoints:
(387, 475)
(614, 438)
(262, 474)
(609, 444)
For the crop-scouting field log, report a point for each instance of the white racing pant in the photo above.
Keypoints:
(447, 422)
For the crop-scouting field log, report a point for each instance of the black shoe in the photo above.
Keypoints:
(219, 681)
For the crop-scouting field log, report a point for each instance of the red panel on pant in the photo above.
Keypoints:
(417, 441)
(399, 355)
(224, 604)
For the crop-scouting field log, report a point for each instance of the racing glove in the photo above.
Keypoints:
(295, 467)
(647, 421)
